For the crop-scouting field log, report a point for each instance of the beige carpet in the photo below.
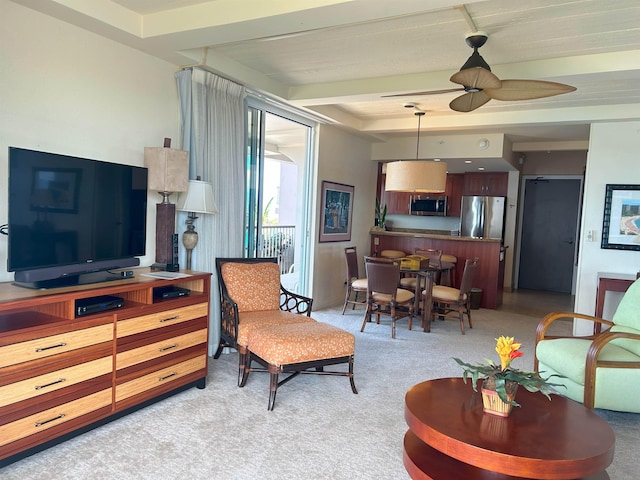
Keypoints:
(318, 430)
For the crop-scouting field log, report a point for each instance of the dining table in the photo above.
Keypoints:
(425, 279)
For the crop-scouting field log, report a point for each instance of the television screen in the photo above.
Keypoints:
(69, 211)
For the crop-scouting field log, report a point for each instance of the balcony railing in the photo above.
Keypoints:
(279, 242)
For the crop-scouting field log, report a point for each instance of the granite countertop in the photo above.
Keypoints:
(439, 234)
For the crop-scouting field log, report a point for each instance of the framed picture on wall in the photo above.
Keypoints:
(337, 212)
(621, 224)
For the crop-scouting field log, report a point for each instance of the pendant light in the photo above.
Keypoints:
(416, 176)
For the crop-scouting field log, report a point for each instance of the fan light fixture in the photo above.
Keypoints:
(417, 176)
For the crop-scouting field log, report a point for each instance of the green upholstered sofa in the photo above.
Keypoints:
(601, 370)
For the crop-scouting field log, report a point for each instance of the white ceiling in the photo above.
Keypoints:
(338, 58)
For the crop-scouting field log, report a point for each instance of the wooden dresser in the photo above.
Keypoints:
(63, 374)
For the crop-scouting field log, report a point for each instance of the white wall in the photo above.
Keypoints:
(67, 91)
(342, 158)
(612, 159)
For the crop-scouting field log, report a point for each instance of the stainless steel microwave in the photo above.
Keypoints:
(428, 205)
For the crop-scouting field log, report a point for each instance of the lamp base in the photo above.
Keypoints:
(165, 228)
(165, 267)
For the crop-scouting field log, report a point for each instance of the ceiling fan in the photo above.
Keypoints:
(480, 85)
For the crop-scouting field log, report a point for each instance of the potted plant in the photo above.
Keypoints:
(500, 382)
(381, 214)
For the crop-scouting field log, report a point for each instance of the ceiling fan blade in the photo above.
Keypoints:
(428, 92)
(469, 101)
(527, 90)
(476, 77)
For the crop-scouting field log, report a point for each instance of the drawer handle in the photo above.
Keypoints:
(160, 379)
(39, 424)
(40, 387)
(164, 349)
(169, 319)
(52, 346)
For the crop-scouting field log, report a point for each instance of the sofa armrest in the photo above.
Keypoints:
(593, 362)
(544, 324)
(293, 302)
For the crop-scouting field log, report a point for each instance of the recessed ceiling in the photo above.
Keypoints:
(339, 58)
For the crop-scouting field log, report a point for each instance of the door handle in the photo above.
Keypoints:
(570, 242)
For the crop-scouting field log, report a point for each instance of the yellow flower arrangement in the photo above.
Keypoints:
(504, 377)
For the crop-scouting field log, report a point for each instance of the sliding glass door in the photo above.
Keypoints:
(278, 206)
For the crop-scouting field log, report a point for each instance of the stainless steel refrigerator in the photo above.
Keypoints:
(482, 217)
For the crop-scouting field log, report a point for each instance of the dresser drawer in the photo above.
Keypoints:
(54, 344)
(52, 417)
(144, 323)
(53, 381)
(158, 349)
(160, 377)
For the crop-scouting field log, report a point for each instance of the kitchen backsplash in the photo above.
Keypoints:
(423, 223)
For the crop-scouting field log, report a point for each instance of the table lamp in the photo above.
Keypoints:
(168, 173)
(198, 199)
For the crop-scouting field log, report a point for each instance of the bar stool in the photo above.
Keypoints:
(393, 254)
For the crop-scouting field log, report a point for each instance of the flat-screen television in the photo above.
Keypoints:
(71, 219)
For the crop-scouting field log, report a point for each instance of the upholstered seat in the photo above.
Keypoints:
(299, 348)
(252, 297)
(393, 254)
(383, 295)
(445, 300)
(603, 370)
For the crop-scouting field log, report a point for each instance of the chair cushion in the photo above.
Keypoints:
(568, 356)
(392, 254)
(359, 284)
(402, 296)
(253, 286)
(448, 258)
(250, 321)
(631, 345)
(628, 314)
(410, 282)
(301, 342)
(446, 294)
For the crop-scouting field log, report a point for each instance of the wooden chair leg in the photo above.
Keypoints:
(244, 362)
(346, 300)
(353, 384)
(273, 386)
(461, 315)
(367, 317)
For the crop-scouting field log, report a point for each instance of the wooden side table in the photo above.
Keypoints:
(450, 437)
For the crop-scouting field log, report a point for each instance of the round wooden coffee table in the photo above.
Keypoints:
(450, 437)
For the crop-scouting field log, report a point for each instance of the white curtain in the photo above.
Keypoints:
(212, 126)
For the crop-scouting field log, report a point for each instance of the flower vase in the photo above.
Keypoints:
(491, 401)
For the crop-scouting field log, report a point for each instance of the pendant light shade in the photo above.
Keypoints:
(419, 176)
(416, 176)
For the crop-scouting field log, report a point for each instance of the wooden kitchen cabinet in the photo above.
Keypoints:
(491, 183)
(397, 202)
(62, 374)
(454, 189)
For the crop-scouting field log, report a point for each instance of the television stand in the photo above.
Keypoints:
(63, 373)
(70, 281)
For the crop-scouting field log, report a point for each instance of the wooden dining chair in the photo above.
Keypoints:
(383, 295)
(445, 300)
(356, 286)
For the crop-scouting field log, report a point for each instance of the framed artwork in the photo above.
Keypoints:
(337, 212)
(621, 224)
(55, 190)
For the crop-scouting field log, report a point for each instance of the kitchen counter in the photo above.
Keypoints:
(490, 274)
(436, 234)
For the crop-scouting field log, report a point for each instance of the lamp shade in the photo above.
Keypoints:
(416, 176)
(168, 169)
(198, 199)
